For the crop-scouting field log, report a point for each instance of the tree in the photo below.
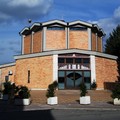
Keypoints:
(112, 45)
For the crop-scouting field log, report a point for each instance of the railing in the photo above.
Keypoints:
(63, 66)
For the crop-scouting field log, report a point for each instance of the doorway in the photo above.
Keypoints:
(72, 79)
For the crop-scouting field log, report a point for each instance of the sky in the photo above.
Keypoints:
(14, 16)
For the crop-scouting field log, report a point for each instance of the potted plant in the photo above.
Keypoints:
(22, 96)
(83, 98)
(51, 98)
(6, 90)
(93, 86)
(116, 94)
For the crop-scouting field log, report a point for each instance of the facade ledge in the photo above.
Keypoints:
(66, 51)
(80, 22)
(7, 65)
(53, 22)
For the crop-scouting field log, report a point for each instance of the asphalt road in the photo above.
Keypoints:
(61, 115)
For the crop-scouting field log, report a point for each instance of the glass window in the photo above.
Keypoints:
(61, 75)
(55, 28)
(78, 60)
(61, 60)
(78, 28)
(69, 60)
(86, 60)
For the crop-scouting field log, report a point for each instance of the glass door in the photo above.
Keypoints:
(69, 79)
(61, 80)
(87, 79)
(78, 78)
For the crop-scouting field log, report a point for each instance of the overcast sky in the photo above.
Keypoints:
(14, 15)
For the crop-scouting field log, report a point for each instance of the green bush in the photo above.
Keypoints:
(94, 85)
(116, 92)
(51, 89)
(22, 92)
(7, 87)
(83, 89)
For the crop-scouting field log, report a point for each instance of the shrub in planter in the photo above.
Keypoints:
(52, 99)
(83, 98)
(94, 86)
(23, 95)
(116, 94)
(7, 89)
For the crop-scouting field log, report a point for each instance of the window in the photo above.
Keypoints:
(61, 60)
(86, 60)
(78, 28)
(55, 28)
(28, 76)
(69, 60)
(78, 60)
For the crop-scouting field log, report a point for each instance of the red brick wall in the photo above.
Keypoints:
(27, 44)
(55, 39)
(41, 72)
(99, 44)
(37, 42)
(93, 42)
(106, 71)
(4, 72)
(78, 39)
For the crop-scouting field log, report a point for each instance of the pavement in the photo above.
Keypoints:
(100, 100)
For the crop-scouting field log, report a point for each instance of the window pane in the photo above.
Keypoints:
(61, 75)
(78, 60)
(69, 60)
(86, 60)
(61, 60)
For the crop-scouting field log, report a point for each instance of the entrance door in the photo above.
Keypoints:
(73, 79)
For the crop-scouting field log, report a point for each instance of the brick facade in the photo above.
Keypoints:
(42, 44)
(78, 39)
(106, 71)
(27, 44)
(37, 42)
(93, 42)
(41, 72)
(4, 71)
(55, 39)
(99, 44)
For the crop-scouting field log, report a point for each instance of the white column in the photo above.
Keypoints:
(89, 38)
(23, 36)
(93, 69)
(55, 67)
(67, 37)
(44, 38)
(32, 42)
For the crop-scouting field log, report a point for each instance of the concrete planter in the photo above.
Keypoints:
(116, 101)
(5, 97)
(85, 100)
(22, 101)
(52, 100)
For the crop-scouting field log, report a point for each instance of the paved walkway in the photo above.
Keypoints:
(69, 99)
(71, 96)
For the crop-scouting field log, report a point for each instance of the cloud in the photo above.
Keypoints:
(108, 24)
(17, 10)
(27, 3)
